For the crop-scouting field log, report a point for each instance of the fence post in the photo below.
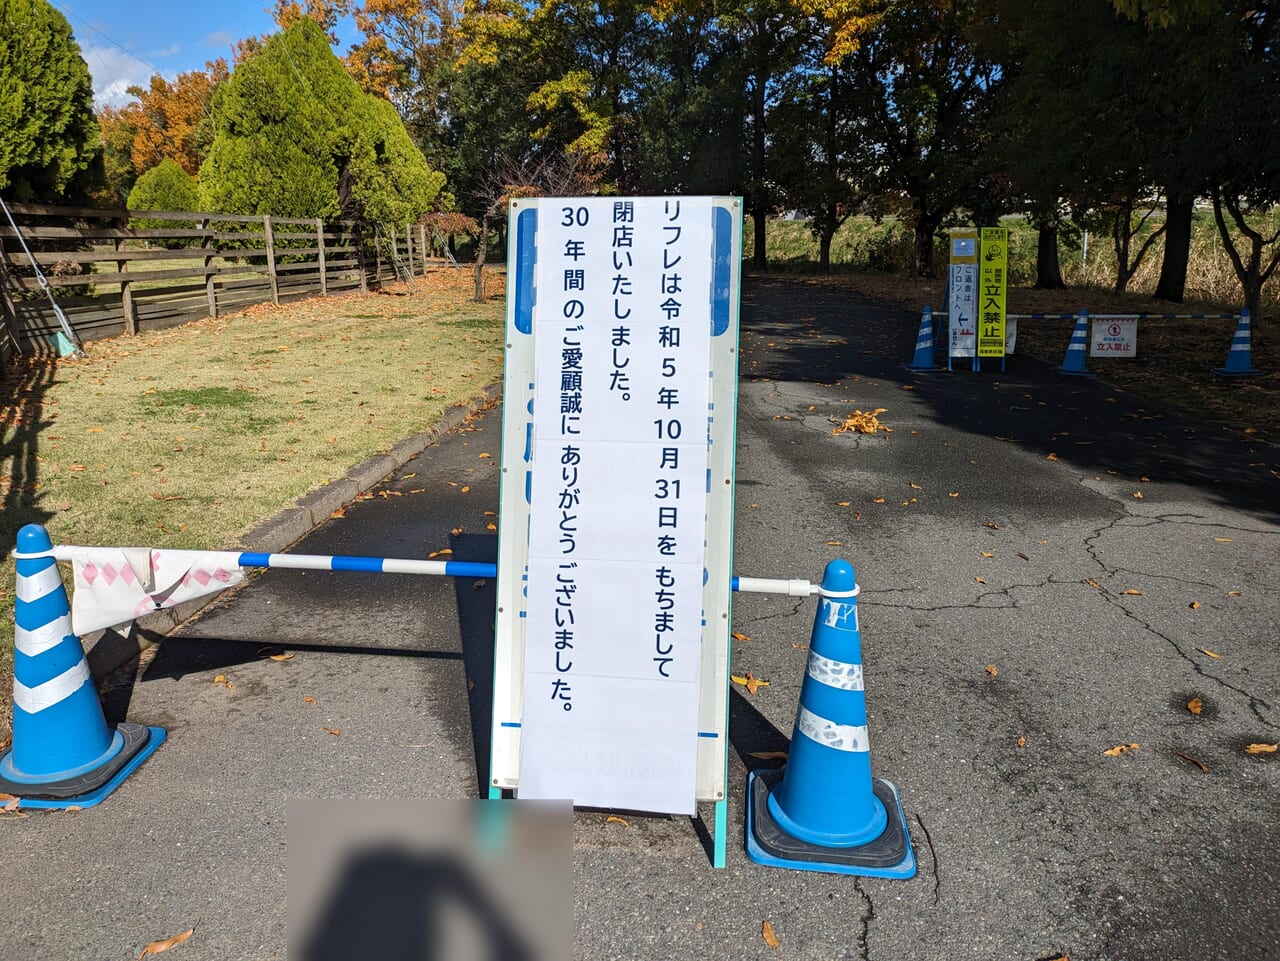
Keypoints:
(126, 292)
(358, 232)
(377, 256)
(324, 281)
(271, 259)
(408, 242)
(210, 288)
(422, 246)
(10, 314)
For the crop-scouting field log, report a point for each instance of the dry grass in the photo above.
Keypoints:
(187, 437)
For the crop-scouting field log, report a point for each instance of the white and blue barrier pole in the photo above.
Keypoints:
(397, 565)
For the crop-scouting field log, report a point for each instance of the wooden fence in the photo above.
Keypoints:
(123, 271)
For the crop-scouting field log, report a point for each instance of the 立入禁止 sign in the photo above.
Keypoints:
(1114, 337)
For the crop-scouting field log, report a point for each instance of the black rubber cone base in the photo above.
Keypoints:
(136, 737)
(887, 856)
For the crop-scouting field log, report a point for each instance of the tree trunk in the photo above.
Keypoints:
(1048, 270)
(824, 247)
(1177, 248)
(759, 192)
(926, 225)
(483, 246)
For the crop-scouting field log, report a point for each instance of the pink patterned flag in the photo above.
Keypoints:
(116, 585)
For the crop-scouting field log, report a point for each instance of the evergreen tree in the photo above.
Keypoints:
(168, 187)
(48, 136)
(295, 136)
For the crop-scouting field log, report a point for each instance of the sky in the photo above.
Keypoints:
(125, 41)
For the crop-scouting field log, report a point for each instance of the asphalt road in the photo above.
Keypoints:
(1021, 614)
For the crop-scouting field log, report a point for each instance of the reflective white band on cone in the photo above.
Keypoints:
(53, 691)
(842, 737)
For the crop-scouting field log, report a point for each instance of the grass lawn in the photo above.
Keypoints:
(187, 437)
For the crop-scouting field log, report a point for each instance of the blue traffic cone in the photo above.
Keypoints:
(63, 753)
(923, 359)
(824, 811)
(1240, 356)
(1078, 349)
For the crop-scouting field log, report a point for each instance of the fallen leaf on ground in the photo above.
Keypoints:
(1195, 705)
(1200, 764)
(1261, 748)
(994, 527)
(1022, 741)
(1023, 556)
(864, 422)
(332, 730)
(308, 699)
(800, 647)
(614, 819)
(156, 947)
(340, 512)
(281, 657)
(11, 804)
(1131, 592)
(739, 636)
(979, 580)
(1223, 540)
(750, 682)
(987, 553)
(954, 494)
(1194, 605)
(1120, 749)
(914, 486)
(842, 503)
(1092, 583)
(457, 531)
(766, 932)
(992, 670)
(835, 543)
(491, 526)
(222, 679)
(444, 553)
(483, 456)
(1208, 653)
(1051, 456)
(1233, 593)
(465, 489)
(878, 500)
(1139, 495)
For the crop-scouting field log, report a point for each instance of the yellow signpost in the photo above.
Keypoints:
(992, 275)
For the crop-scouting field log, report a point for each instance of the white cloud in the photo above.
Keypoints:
(113, 72)
(166, 52)
(219, 39)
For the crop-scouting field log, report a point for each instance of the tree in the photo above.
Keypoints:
(172, 118)
(1246, 165)
(48, 136)
(118, 127)
(167, 187)
(924, 87)
(295, 136)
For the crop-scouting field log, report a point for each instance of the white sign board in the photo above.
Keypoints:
(962, 294)
(615, 544)
(1114, 338)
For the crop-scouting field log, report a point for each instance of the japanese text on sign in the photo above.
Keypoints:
(618, 502)
(991, 291)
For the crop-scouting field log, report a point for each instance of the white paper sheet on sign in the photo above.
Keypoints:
(618, 505)
(116, 586)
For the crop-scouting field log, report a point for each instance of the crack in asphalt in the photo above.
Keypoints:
(1256, 704)
(864, 948)
(933, 853)
(769, 617)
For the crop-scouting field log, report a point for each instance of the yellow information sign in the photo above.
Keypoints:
(992, 275)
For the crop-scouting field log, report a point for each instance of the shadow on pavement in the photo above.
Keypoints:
(824, 334)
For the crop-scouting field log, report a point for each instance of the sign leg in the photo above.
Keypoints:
(721, 833)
